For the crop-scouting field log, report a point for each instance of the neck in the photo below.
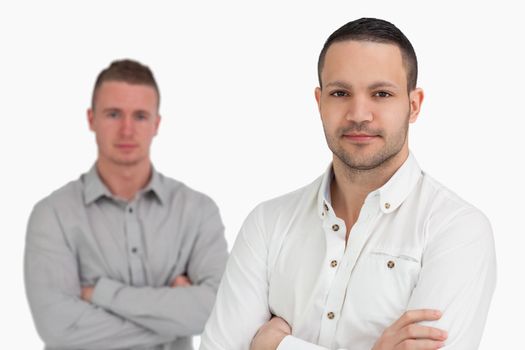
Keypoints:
(124, 181)
(350, 186)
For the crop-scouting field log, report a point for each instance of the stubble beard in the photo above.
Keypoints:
(367, 162)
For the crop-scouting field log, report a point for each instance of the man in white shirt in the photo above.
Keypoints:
(374, 254)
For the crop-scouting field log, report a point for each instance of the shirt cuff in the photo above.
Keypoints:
(104, 291)
(292, 343)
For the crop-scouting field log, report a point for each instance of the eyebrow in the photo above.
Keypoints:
(111, 109)
(116, 109)
(339, 84)
(373, 86)
(381, 84)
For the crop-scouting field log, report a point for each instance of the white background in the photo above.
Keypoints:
(239, 117)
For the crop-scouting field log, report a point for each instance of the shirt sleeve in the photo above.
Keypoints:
(62, 319)
(292, 343)
(242, 300)
(458, 277)
(180, 311)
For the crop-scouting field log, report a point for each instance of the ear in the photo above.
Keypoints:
(90, 118)
(157, 123)
(416, 97)
(317, 93)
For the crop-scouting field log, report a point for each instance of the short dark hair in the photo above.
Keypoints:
(379, 31)
(128, 71)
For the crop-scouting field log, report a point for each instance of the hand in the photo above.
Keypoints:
(180, 281)
(406, 334)
(86, 293)
(270, 335)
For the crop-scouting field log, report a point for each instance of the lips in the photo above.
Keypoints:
(358, 137)
(126, 146)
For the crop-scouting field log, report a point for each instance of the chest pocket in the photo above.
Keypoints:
(382, 284)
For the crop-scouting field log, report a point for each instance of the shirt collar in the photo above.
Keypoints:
(94, 188)
(324, 200)
(156, 186)
(396, 190)
(391, 194)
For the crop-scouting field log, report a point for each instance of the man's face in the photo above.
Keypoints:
(125, 119)
(364, 103)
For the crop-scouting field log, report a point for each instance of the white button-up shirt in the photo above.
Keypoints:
(415, 245)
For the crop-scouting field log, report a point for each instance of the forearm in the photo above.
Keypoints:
(172, 312)
(179, 311)
(62, 319)
(65, 321)
(293, 343)
(74, 324)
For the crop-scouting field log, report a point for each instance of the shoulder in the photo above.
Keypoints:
(451, 216)
(48, 213)
(68, 196)
(292, 201)
(177, 192)
(282, 209)
(444, 201)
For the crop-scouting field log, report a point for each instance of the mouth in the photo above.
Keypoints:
(360, 137)
(126, 146)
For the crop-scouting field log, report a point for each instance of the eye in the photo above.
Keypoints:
(339, 93)
(113, 114)
(382, 94)
(141, 116)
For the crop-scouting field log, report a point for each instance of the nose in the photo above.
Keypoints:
(126, 126)
(359, 110)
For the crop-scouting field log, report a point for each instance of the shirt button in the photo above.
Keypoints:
(325, 207)
(130, 210)
(330, 315)
(387, 205)
(335, 227)
(390, 264)
(333, 263)
(134, 250)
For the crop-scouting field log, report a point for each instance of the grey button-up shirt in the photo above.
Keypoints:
(82, 235)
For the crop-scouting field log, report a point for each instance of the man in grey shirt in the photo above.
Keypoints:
(123, 257)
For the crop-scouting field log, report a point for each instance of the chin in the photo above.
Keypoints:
(124, 161)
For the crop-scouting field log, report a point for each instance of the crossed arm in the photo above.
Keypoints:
(180, 281)
(457, 278)
(132, 316)
(404, 334)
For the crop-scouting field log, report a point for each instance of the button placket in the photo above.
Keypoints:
(333, 306)
(335, 233)
(134, 244)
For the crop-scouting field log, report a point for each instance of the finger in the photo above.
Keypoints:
(414, 316)
(416, 331)
(181, 281)
(420, 344)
